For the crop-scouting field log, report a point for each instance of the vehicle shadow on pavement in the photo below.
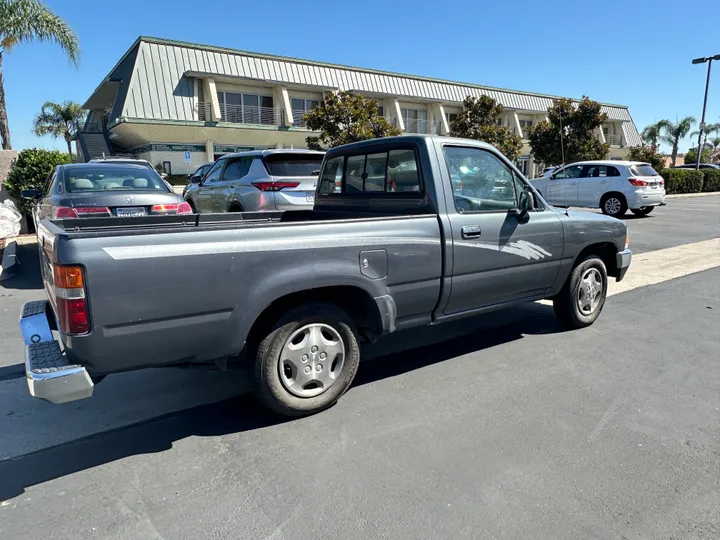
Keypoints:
(26, 272)
(397, 354)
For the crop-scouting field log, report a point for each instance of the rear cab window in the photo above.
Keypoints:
(392, 173)
(293, 164)
(643, 169)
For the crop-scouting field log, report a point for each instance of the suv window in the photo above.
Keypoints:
(572, 171)
(643, 170)
(237, 168)
(395, 171)
(214, 173)
(599, 171)
(293, 164)
(481, 181)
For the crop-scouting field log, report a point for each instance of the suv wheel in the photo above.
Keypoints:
(582, 298)
(614, 204)
(307, 360)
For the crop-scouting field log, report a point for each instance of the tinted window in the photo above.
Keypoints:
(112, 177)
(598, 171)
(331, 177)
(354, 172)
(573, 171)
(376, 172)
(481, 180)
(293, 164)
(402, 172)
(643, 170)
(237, 168)
(214, 173)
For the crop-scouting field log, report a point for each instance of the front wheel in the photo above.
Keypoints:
(614, 205)
(642, 211)
(307, 360)
(580, 301)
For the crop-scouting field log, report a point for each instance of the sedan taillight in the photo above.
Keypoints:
(65, 212)
(165, 209)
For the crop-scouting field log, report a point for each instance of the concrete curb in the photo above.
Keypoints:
(685, 195)
(9, 259)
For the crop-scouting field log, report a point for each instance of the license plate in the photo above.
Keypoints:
(130, 212)
(653, 184)
(310, 197)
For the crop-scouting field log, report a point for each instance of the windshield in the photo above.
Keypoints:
(293, 164)
(113, 177)
(643, 169)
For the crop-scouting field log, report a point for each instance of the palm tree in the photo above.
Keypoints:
(30, 20)
(674, 131)
(57, 119)
(652, 133)
(714, 145)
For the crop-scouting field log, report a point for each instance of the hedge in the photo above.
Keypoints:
(682, 180)
(712, 180)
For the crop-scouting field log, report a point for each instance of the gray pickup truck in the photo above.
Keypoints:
(405, 231)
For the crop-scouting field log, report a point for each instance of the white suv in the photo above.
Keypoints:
(612, 186)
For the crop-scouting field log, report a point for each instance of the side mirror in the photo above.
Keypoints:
(196, 180)
(30, 194)
(526, 202)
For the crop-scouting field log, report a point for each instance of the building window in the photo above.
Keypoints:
(300, 107)
(524, 125)
(381, 110)
(247, 108)
(415, 120)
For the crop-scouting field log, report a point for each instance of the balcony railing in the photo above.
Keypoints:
(298, 118)
(241, 114)
(613, 140)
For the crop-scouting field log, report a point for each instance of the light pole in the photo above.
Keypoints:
(709, 60)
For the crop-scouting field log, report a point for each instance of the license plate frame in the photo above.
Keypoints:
(131, 211)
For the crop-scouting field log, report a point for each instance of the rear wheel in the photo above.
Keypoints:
(307, 360)
(642, 211)
(582, 298)
(614, 204)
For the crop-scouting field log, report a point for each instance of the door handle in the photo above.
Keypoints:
(573, 183)
(471, 232)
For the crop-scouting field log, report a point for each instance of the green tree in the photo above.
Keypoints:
(57, 119)
(481, 120)
(345, 117)
(652, 133)
(647, 154)
(692, 155)
(30, 171)
(23, 21)
(709, 128)
(674, 131)
(578, 123)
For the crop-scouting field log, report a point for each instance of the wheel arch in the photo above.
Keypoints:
(606, 251)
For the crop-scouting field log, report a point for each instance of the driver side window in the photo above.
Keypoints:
(214, 173)
(572, 171)
(481, 181)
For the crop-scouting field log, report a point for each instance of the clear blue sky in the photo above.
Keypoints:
(632, 52)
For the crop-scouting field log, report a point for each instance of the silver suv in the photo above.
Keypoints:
(256, 181)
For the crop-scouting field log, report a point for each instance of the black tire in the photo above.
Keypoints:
(642, 211)
(268, 386)
(614, 204)
(565, 303)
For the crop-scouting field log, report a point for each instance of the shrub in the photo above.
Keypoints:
(30, 170)
(682, 180)
(691, 156)
(712, 180)
(647, 154)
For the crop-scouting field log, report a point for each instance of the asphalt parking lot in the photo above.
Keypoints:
(504, 426)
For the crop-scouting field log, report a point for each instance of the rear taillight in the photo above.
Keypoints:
(63, 212)
(274, 186)
(70, 302)
(661, 182)
(636, 182)
(164, 209)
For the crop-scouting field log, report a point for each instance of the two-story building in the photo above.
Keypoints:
(165, 98)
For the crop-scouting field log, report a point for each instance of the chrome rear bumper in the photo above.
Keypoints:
(50, 375)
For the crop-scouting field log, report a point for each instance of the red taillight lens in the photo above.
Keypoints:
(72, 315)
(636, 182)
(92, 211)
(70, 302)
(662, 182)
(63, 212)
(182, 208)
(274, 186)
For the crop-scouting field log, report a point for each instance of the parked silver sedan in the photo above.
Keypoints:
(257, 181)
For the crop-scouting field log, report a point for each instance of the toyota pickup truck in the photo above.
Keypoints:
(405, 231)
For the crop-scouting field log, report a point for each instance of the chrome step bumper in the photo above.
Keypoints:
(50, 375)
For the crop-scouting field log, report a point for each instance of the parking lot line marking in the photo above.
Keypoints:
(655, 267)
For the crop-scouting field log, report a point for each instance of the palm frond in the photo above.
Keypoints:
(23, 21)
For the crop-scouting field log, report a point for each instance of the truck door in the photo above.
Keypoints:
(499, 253)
